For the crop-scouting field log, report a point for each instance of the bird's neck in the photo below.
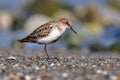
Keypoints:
(62, 27)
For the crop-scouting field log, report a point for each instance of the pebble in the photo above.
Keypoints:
(65, 75)
(43, 67)
(34, 67)
(113, 77)
(11, 58)
(52, 64)
(16, 77)
(27, 77)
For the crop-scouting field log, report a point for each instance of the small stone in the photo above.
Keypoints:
(99, 71)
(36, 67)
(73, 66)
(38, 78)
(94, 66)
(11, 58)
(46, 76)
(113, 77)
(27, 77)
(58, 64)
(52, 64)
(16, 65)
(6, 77)
(16, 77)
(83, 57)
(104, 72)
(43, 67)
(65, 75)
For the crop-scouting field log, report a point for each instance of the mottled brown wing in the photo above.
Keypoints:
(40, 32)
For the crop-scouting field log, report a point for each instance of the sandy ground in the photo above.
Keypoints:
(62, 65)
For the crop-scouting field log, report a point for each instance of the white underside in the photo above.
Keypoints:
(54, 34)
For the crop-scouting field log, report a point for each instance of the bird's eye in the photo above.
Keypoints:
(67, 23)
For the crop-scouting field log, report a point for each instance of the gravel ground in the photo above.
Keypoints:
(22, 65)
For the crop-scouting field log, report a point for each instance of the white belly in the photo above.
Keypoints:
(54, 34)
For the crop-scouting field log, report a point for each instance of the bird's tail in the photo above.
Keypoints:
(23, 40)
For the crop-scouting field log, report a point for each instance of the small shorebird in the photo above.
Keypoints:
(48, 33)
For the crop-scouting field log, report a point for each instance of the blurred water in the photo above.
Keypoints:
(7, 38)
(16, 5)
(82, 2)
(110, 36)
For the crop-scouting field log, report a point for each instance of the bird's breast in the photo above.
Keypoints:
(52, 36)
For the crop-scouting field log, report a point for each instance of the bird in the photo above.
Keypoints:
(48, 33)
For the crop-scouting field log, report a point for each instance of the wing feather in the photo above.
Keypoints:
(40, 32)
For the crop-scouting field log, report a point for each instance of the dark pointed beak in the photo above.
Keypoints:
(73, 30)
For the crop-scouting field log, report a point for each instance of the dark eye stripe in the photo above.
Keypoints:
(68, 23)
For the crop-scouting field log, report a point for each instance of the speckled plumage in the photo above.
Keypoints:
(48, 32)
(40, 32)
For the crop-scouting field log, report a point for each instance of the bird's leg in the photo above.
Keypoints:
(45, 48)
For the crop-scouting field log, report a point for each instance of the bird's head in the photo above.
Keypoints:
(67, 24)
